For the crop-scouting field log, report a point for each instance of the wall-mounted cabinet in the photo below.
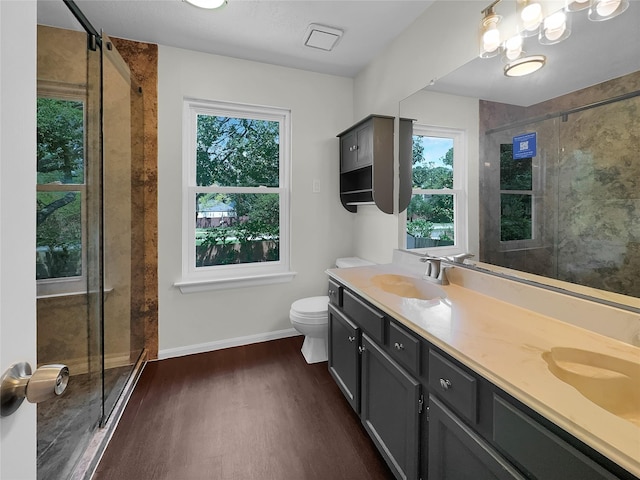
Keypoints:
(367, 167)
(366, 164)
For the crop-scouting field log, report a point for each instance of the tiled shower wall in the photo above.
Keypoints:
(587, 207)
(61, 320)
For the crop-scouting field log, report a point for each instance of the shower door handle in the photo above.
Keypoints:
(18, 383)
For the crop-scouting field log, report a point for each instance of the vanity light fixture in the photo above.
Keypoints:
(555, 28)
(606, 9)
(490, 41)
(577, 5)
(525, 66)
(513, 48)
(529, 16)
(208, 4)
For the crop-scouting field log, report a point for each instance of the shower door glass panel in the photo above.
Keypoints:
(123, 223)
(68, 254)
(598, 238)
(521, 200)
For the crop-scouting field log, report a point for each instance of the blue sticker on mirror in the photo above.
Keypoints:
(524, 146)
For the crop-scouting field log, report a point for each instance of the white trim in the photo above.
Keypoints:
(197, 279)
(228, 343)
(195, 286)
(459, 190)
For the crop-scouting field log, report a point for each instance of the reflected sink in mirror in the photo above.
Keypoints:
(609, 382)
(408, 287)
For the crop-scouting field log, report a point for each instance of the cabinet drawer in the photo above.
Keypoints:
(538, 450)
(370, 320)
(405, 347)
(453, 385)
(335, 293)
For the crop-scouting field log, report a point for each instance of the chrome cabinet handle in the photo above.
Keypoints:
(445, 384)
(351, 339)
(332, 292)
(398, 346)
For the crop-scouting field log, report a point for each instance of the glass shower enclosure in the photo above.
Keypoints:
(572, 211)
(89, 236)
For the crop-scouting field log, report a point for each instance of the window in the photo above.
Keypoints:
(236, 195)
(437, 212)
(61, 192)
(516, 196)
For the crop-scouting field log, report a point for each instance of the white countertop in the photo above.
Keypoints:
(504, 343)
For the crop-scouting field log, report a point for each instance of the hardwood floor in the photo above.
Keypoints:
(252, 412)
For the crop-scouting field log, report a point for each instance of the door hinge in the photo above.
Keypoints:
(421, 404)
(427, 413)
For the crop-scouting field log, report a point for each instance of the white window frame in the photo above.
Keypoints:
(196, 279)
(459, 191)
(536, 211)
(77, 285)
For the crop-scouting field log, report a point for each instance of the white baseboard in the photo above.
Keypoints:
(227, 343)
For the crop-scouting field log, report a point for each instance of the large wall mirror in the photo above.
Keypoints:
(565, 211)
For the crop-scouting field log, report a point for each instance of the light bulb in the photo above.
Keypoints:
(530, 16)
(491, 40)
(607, 7)
(513, 47)
(555, 26)
(208, 4)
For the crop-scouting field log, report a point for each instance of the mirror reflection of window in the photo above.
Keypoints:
(516, 196)
(431, 212)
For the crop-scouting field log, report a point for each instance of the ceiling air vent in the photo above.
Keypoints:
(322, 37)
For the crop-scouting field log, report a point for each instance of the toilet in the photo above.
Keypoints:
(309, 317)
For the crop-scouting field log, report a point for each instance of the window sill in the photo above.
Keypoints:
(195, 286)
(44, 296)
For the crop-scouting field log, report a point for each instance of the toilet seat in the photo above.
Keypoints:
(310, 311)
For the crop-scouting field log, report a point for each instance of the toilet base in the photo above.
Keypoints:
(314, 349)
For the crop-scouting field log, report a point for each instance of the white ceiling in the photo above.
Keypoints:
(270, 31)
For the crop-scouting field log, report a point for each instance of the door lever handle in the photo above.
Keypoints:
(18, 383)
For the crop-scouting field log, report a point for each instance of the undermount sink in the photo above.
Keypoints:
(408, 287)
(609, 382)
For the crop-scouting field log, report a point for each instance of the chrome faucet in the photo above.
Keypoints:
(460, 258)
(434, 272)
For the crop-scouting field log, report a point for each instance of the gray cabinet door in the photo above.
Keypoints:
(456, 452)
(390, 409)
(344, 358)
(348, 152)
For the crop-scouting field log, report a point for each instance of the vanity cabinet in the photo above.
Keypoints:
(390, 411)
(387, 397)
(366, 164)
(470, 429)
(456, 452)
(344, 355)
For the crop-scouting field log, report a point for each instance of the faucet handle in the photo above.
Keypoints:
(459, 258)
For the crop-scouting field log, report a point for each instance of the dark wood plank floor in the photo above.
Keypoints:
(253, 412)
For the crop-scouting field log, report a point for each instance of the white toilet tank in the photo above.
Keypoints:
(348, 262)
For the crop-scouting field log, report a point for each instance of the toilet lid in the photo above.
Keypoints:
(311, 306)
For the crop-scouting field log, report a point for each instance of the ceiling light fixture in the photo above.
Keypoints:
(490, 41)
(208, 4)
(606, 9)
(525, 66)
